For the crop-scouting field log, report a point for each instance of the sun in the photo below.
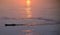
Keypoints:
(28, 2)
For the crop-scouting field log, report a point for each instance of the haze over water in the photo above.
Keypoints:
(11, 12)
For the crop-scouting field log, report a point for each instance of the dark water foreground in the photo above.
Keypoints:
(51, 28)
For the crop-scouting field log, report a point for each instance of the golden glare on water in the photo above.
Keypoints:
(28, 32)
(28, 9)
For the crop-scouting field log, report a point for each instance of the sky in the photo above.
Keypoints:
(39, 8)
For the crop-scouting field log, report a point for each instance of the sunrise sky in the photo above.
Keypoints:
(29, 8)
